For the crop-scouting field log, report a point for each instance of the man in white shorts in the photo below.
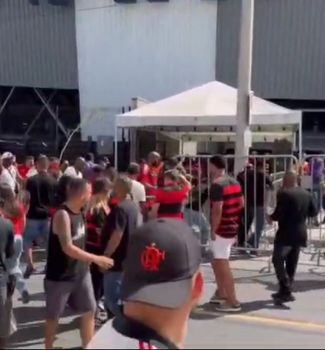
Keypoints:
(226, 207)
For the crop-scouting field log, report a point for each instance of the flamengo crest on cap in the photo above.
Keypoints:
(152, 257)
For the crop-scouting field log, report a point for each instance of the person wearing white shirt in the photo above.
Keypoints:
(9, 174)
(138, 190)
(31, 172)
(76, 170)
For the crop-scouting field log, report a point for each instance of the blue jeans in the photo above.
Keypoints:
(13, 265)
(36, 230)
(112, 291)
(318, 196)
(255, 238)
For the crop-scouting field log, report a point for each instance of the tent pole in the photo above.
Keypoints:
(300, 140)
(116, 148)
(244, 95)
(295, 145)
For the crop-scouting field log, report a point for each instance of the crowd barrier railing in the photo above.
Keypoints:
(312, 171)
(261, 178)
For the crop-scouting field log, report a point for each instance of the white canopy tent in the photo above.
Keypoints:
(207, 109)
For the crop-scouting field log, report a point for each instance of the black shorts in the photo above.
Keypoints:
(79, 294)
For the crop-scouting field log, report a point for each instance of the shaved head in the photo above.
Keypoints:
(80, 164)
(290, 179)
(154, 158)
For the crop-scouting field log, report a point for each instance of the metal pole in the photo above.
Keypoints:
(300, 141)
(57, 131)
(116, 147)
(243, 133)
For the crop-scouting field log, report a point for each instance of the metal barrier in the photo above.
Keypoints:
(260, 179)
(312, 179)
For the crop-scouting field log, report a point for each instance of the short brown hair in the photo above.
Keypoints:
(76, 186)
(101, 185)
(133, 169)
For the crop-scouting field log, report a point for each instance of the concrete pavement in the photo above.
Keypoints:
(299, 325)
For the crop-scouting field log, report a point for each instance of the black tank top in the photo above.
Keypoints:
(61, 267)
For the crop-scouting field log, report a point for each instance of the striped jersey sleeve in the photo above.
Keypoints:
(228, 191)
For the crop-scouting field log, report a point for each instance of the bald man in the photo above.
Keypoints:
(294, 206)
(76, 170)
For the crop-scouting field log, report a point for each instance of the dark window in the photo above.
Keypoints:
(314, 121)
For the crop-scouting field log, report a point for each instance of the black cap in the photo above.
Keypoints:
(163, 257)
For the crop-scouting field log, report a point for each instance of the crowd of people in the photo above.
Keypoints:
(126, 244)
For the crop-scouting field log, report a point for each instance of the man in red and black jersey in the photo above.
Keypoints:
(170, 199)
(149, 176)
(226, 207)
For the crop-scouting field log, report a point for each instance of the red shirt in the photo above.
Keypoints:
(171, 202)
(113, 201)
(149, 178)
(23, 169)
(52, 212)
(95, 223)
(19, 222)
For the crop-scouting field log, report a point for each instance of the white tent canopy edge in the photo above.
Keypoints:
(210, 105)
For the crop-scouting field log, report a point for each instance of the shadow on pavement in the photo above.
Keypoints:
(33, 334)
(26, 314)
(262, 305)
(38, 297)
(314, 272)
(299, 286)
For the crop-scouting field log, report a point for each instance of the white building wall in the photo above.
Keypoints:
(151, 50)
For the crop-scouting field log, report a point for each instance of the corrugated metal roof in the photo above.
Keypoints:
(289, 49)
(37, 45)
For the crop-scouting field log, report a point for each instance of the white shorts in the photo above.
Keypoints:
(221, 247)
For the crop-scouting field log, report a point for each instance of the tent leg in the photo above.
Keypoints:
(133, 144)
(116, 148)
(294, 147)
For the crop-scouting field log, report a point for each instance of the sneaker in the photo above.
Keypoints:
(285, 298)
(217, 300)
(29, 271)
(225, 307)
(25, 297)
(101, 306)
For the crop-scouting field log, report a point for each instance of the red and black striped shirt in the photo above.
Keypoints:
(227, 190)
(172, 201)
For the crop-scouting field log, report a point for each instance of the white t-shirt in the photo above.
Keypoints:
(138, 192)
(138, 195)
(71, 171)
(9, 177)
(31, 172)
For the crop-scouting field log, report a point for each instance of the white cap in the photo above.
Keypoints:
(7, 155)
